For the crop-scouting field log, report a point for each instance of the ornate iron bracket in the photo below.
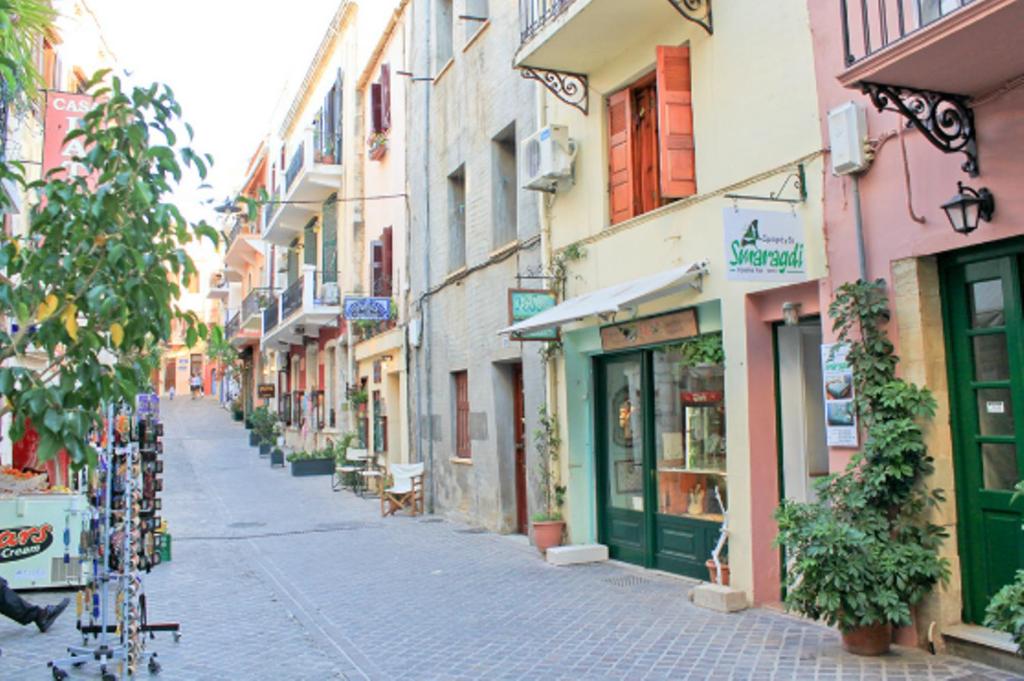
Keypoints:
(697, 11)
(946, 120)
(571, 88)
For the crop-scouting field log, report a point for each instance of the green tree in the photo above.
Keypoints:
(91, 287)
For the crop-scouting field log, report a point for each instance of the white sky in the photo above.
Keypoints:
(229, 62)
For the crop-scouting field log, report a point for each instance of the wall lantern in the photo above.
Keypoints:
(968, 208)
(791, 314)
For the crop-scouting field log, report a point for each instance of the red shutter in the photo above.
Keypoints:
(675, 123)
(620, 156)
(377, 112)
(462, 446)
(387, 263)
(385, 97)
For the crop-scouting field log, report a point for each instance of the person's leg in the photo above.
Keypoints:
(15, 607)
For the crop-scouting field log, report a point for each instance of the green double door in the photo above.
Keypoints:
(660, 446)
(985, 322)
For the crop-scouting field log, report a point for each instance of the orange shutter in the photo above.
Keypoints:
(675, 123)
(620, 156)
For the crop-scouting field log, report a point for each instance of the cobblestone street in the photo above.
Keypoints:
(275, 577)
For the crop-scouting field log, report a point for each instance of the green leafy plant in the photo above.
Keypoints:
(864, 553)
(560, 266)
(547, 441)
(97, 271)
(265, 425)
(550, 350)
(702, 350)
(359, 397)
(338, 450)
(310, 454)
(219, 349)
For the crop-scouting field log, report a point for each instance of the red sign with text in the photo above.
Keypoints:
(64, 113)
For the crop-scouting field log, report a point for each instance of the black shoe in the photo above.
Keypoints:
(50, 614)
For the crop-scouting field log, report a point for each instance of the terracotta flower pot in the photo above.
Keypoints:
(873, 640)
(713, 573)
(547, 533)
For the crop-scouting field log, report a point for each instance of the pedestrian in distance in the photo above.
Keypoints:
(21, 611)
(170, 393)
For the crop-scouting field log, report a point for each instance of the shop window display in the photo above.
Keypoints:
(689, 438)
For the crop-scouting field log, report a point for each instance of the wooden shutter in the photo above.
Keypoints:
(387, 263)
(675, 123)
(338, 115)
(376, 107)
(385, 97)
(620, 156)
(462, 447)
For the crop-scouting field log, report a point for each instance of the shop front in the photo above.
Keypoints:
(379, 400)
(661, 453)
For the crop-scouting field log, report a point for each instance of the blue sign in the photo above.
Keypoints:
(526, 303)
(367, 309)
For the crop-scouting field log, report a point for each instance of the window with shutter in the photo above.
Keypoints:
(376, 267)
(460, 381)
(329, 235)
(309, 243)
(651, 157)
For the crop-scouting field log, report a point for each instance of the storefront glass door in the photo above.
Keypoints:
(661, 459)
(986, 333)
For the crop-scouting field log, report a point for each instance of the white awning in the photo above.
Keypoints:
(615, 298)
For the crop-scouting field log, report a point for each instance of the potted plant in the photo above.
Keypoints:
(265, 428)
(236, 410)
(1005, 612)
(864, 554)
(548, 525)
(276, 457)
(317, 462)
(377, 144)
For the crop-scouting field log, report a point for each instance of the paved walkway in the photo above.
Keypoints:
(278, 578)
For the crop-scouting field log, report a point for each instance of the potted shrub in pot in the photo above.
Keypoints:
(265, 428)
(548, 525)
(317, 462)
(865, 553)
(276, 457)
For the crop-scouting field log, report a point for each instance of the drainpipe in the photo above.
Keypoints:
(858, 221)
(425, 372)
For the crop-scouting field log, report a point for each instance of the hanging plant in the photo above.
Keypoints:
(377, 144)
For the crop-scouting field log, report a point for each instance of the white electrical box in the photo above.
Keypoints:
(848, 137)
(548, 156)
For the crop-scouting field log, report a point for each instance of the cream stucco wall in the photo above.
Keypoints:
(754, 120)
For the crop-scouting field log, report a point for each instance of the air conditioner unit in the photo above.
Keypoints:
(548, 155)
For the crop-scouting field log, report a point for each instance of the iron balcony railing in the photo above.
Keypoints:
(873, 25)
(291, 299)
(251, 304)
(233, 326)
(294, 166)
(535, 14)
(270, 315)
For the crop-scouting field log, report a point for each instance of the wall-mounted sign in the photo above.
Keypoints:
(650, 330)
(763, 245)
(64, 113)
(367, 309)
(840, 411)
(265, 390)
(524, 303)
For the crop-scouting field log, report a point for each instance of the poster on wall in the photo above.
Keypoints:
(840, 412)
(764, 245)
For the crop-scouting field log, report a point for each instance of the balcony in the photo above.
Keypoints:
(302, 309)
(243, 248)
(233, 326)
(310, 177)
(579, 36)
(961, 47)
(219, 288)
(250, 324)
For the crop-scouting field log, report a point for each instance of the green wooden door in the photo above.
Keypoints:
(986, 359)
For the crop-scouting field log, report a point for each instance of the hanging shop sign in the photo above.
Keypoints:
(840, 411)
(763, 245)
(650, 330)
(64, 113)
(367, 309)
(524, 303)
(265, 390)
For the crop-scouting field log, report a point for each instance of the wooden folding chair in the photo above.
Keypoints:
(358, 461)
(406, 490)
